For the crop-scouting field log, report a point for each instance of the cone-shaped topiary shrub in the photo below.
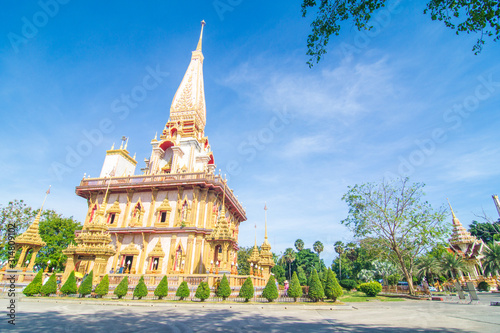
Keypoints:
(224, 290)
(182, 291)
(102, 288)
(333, 290)
(69, 287)
(316, 291)
(122, 288)
(86, 286)
(295, 290)
(162, 288)
(141, 290)
(203, 291)
(50, 287)
(247, 290)
(371, 289)
(35, 286)
(270, 292)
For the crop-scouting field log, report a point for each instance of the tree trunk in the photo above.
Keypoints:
(407, 275)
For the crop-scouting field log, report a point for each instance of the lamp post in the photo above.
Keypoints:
(128, 266)
(48, 265)
(251, 268)
(217, 267)
(182, 267)
(237, 272)
(211, 266)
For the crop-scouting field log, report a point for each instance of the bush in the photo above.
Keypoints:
(122, 288)
(102, 288)
(371, 289)
(247, 290)
(69, 287)
(393, 279)
(332, 286)
(35, 286)
(270, 292)
(316, 291)
(295, 290)
(50, 287)
(223, 290)
(86, 286)
(483, 286)
(140, 290)
(182, 291)
(162, 288)
(203, 291)
(348, 284)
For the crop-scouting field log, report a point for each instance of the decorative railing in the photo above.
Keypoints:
(161, 179)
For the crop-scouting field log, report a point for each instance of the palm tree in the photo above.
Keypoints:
(339, 248)
(428, 266)
(289, 256)
(453, 264)
(299, 244)
(318, 247)
(491, 261)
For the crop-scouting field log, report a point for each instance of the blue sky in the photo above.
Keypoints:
(408, 98)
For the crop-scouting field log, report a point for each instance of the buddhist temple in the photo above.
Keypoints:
(178, 216)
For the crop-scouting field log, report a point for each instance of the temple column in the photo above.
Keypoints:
(22, 257)
(70, 267)
(207, 255)
(211, 201)
(178, 207)
(119, 239)
(197, 254)
(32, 260)
(171, 253)
(145, 242)
(152, 206)
(203, 207)
(189, 254)
(130, 194)
(194, 206)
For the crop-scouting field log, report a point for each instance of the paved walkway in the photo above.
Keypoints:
(406, 316)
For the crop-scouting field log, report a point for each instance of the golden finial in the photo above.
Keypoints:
(113, 146)
(198, 48)
(452, 213)
(265, 220)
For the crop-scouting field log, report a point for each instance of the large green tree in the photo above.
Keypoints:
(318, 247)
(299, 244)
(397, 214)
(485, 230)
(453, 265)
(58, 232)
(491, 261)
(289, 256)
(470, 16)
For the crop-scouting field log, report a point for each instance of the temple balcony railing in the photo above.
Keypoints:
(160, 180)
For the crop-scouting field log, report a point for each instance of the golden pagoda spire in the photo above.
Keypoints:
(455, 219)
(188, 105)
(459, 235)
(265, 220)
(198, 48)
(497, 202)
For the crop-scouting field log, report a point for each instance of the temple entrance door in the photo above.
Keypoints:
(217, 254)
(128, 263)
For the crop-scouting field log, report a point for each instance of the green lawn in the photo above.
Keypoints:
(358, 296)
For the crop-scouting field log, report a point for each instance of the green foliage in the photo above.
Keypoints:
(299, 244)
(203, 291)
(332, 286)
(140, 290)
(35, 286)
(453, 264)
(486, 231)
(393, 279)
(491, 261)
(16, 215)
(122, 288)
(50, 287)
(316, 291)
(224, 290)
(162, 288)
(270, 292)
(69, 287)
(102, 288)
(58, 232)
(481, 17)
(289, 256)
(318, 247)
(243, 264)
(247, 290)
(398, 216)
(302, 276)
(483, 286)
(295, 290)
(279, 273)
(86, 286)
(371, 289)
(182, 291)
(348, 284)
